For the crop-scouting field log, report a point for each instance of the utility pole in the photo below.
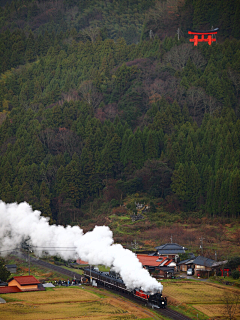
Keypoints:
(28, 262)
(90, 274)
(27, 247)
(178, 33)
(171, 238)
(201, 243)
(135, 245)
(151, 36)
(214, 36)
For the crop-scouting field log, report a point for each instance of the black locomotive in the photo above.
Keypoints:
(114, 281)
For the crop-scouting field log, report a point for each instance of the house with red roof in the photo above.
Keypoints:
(79, 261)
(22, 284)
(161, 267)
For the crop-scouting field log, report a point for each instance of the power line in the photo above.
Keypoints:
(36, 248)
(9, 250)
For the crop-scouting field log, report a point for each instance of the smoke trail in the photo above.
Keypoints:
(20, 222)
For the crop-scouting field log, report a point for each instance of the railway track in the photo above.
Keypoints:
(50, 266)
(171, 314)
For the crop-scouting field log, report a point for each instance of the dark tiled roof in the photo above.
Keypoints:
(183, 262)
(25, 280)
(202, 261)
(168, 269)
(153, 254)
(170, 248)
(10, 266)
(188, 261)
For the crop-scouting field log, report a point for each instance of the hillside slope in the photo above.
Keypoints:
(86, 114)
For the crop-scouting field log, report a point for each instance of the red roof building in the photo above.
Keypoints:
(160, 266)
(79, 261)
(9, 289)
(22, 284)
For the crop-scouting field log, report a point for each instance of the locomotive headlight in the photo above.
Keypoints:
(162, 302)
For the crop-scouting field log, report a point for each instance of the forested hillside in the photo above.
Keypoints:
(99, 99)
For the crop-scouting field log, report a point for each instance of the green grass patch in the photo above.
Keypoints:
(78, 271)
(190, 312)
(8, 298)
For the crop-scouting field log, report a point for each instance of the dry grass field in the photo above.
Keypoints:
(68, 303)
(203, 296)
(214, 310)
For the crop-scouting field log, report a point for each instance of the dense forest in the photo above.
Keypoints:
(100, 99)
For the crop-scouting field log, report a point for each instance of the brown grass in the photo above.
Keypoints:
(203, 296)
(214, 310)
(195, 292)
(68, 303)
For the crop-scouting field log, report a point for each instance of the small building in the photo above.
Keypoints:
(24, 283)
(81, 262)
(185, 265)
(203, 265)
(170, 250)
(11, 268)
(48, 285)
(165, 272)
(3, 284)
(7, 289)
(159, 267)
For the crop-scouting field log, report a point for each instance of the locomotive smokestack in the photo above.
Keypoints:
(19, 222)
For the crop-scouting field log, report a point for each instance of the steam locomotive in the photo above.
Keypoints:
(113, 280)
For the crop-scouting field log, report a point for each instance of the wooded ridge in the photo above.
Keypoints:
(93, 104)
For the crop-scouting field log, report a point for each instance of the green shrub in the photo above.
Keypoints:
(235, 274)
(114, 203)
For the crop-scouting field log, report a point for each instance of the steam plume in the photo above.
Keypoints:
(19, 222)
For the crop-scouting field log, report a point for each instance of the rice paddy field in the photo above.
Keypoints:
(205, 297)
(68, 303)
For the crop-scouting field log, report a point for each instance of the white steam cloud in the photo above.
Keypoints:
(19, 222)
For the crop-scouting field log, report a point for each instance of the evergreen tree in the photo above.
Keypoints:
(151, 146)
(180, 182)
(30, 54)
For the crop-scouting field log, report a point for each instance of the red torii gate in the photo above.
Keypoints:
(209, 34)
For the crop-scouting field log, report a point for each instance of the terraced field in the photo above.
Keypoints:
(204, 297)
(68, 303)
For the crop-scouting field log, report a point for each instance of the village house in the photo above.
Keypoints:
(205, 266)
(11, 268)
(185, 265)
(22, 284)
(159, 267)
(201, 266)
(170, 250)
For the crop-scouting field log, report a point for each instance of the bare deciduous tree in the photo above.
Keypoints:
(196, 100)
(47, 137)
(90, 94)
(212, 105)
(163, 11)
(231, 301)
(59, 141)
(71, 95)
(179, 55)
(70, 141)
(92, 31)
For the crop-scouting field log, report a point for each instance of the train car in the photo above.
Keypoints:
(114, 281)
